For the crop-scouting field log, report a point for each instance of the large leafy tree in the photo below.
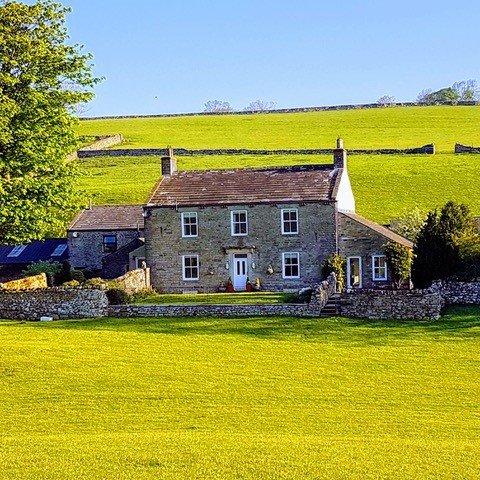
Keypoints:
(42, 80)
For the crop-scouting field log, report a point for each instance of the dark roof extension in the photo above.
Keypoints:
(109, 217)
(387, 233)
(35, 252)
(300, 183)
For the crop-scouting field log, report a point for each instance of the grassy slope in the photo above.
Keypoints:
(385, 186)
(374, 128)
(257, 398)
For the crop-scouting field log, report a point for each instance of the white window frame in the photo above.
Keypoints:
(232, 223)
(283, 211)
(374, 277)
(184, 214)
(183, 268)
(297, 254)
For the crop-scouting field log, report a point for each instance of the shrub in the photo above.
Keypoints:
(71, 284)
(142, 295)
(77, 275)
(65, 273)
(399, 260)
(336, 264)
(117, 297)
(48, 267)
(96, 282)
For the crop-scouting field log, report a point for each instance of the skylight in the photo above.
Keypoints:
(16, 251)
(58, 252)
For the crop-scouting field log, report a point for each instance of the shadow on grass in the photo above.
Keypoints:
(457, 323)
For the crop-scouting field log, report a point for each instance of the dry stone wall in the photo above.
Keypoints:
(458, 293)
(57, 303)
(134, 281)
(392, 304)
(142, 152)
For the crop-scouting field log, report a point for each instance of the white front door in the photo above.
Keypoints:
(240, 274)
(354, 272)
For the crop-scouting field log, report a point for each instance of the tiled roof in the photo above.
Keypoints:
(110, 217)
(379, 229)
(302, 183)
(35, 252)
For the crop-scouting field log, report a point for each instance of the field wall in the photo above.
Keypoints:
(57, 303)
(458, 293)
(325, 108)
(143, 152)
(392, 304)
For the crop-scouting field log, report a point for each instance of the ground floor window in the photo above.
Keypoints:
(190, 266)
(291, 265)
(379, 267)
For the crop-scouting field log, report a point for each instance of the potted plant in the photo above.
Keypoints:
(229, 285)
(258, 285)
(222, 287)
(249, 285)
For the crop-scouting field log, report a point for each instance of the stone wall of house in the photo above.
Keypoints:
(458, 293)
(142, 152)
(357, 240)
(392, 304)
(53, 302)
(216, 246)
(86, 247)
(134, 281)
(28, 283)
(210, 310)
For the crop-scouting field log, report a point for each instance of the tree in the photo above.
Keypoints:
(217, 106)
(438, 251)
(386, 100)
(467, 90)
(409, 224)
(399, 261)
(260, 106)
(42, 79)
(444, 95)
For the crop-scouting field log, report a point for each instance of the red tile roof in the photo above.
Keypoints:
(301, 183)
(110, 217)
(387, 233)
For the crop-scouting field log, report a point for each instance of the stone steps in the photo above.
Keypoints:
(332, 308)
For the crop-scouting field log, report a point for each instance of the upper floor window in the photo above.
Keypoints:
(109, 243)
(379, 267)
(291, 265)
(289, 221)
(190, 267)
(189, 224)
(239, 223)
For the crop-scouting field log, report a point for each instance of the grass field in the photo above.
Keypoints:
(369, 128)
(219, 298)
(385, 186)
(258, 398)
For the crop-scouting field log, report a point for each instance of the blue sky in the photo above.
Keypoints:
(173, 56)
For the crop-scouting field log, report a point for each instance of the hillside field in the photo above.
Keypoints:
(385, 186)
(259, 398)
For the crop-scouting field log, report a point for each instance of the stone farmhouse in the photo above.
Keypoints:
(276, 224)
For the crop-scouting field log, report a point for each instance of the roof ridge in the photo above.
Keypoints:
(300, 166)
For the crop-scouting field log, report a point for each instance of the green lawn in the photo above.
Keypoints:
(385, 186)
(368, 128)
(259, 398)
(219, 298)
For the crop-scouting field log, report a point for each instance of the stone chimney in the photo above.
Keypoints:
(169, 164)
(340, 155)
